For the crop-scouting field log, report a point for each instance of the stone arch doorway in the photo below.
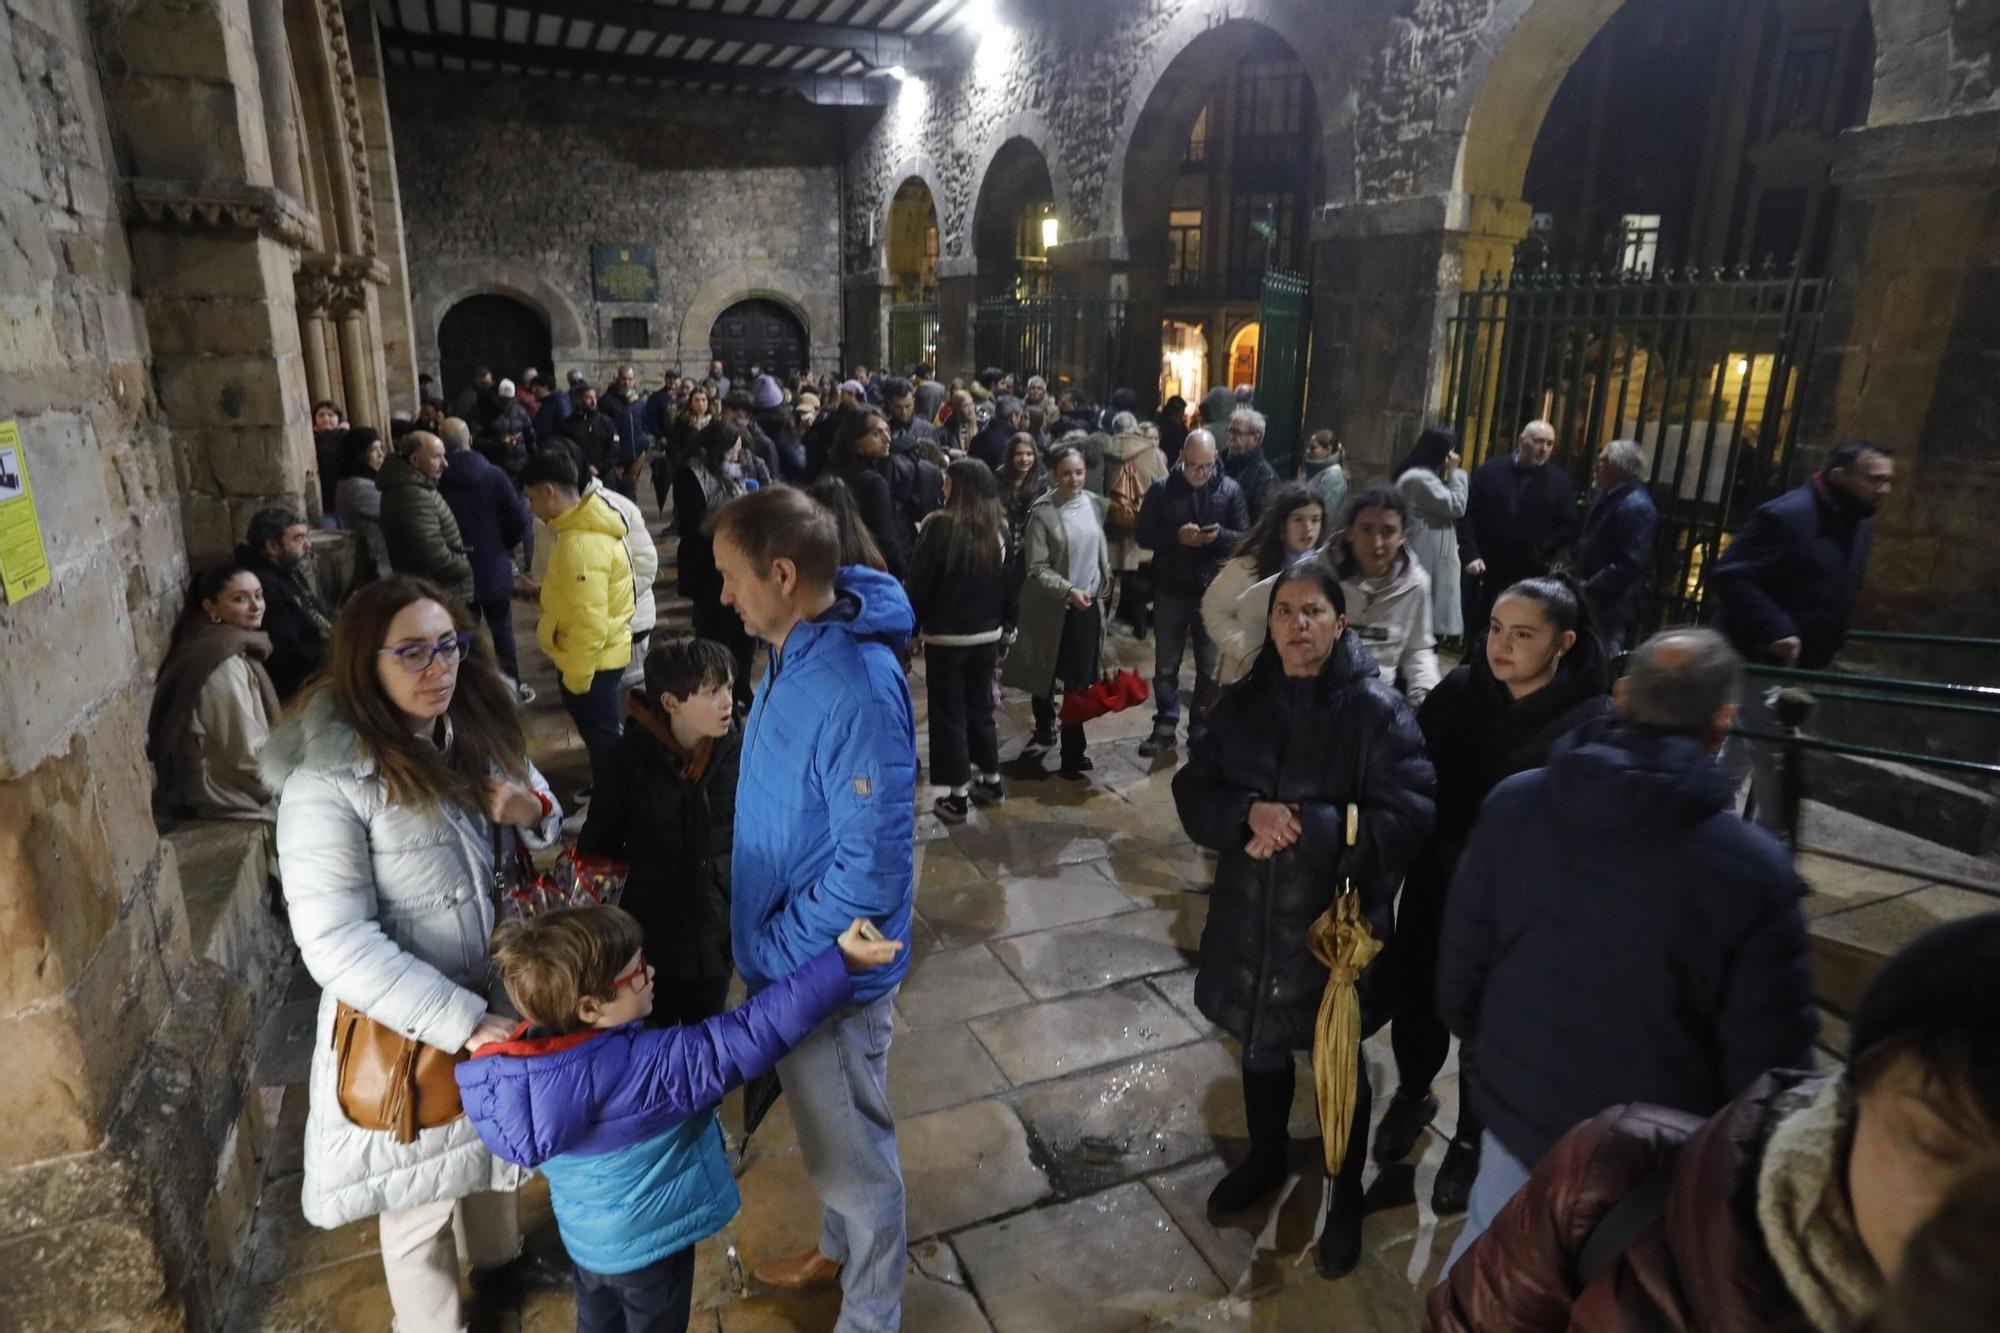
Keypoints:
(504, 335)
(1243, 345)
(913, 242)
(758, 332)
(1229, 138)
(1014, 222)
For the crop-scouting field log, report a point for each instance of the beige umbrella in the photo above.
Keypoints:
(1342, 940)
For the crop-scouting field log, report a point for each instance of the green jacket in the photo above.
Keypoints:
(1031, 662)
(418, 528)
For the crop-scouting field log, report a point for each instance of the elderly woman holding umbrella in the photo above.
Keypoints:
(1310, 731)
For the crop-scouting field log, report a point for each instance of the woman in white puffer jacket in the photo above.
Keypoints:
(393, 773)
(1237, 606)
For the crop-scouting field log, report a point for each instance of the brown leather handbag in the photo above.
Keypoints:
(387, 1081)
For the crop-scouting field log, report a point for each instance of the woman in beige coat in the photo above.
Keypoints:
(214, 705)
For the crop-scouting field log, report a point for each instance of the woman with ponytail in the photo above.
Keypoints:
(1536, 673)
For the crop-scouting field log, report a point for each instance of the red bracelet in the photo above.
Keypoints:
(548, 806)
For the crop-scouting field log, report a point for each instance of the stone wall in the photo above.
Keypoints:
(507, 182)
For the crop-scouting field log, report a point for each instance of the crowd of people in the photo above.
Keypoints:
(1416, 685)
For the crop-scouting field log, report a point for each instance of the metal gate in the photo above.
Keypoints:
(1704, 368)
(1284, 317)
(913, 337)
(1076, 340)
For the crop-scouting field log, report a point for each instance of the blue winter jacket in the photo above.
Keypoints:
(555, 410)
(1616, 934)
(492, 519)
(622, 1121)
(1614, 554)
(1793, 569)
(826, 803)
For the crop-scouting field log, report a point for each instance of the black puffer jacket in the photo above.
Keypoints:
(677, 835)
(1478, 734)
(1340, 737)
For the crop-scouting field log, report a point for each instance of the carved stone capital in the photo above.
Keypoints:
(337, 285)
(233, 207)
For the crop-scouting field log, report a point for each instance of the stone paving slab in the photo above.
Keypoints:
(1177, 988)
(1057, 1037)
(937, 1068)
(1251, 1250)
(1113, 1261)
(1095, 954)
(953, 985)
(965, 1165)
(1018, 904)
(1137, 1116)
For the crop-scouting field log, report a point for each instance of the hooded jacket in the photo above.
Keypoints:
(640, 552)
(1794, 570)
(392, 909)
(586, 624)
(492, 518)
(1147, 465)
(826, 804)
(419, 531)
(1703, 1268)
(675, 832)
(1392, 615)
(1340, 737)
(1672, 970)
(622, 1120)
(1185, 571)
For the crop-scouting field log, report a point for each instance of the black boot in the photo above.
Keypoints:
(1453, 1188)
(1267, 1107)
(1340, 1239)
(1405, 1120)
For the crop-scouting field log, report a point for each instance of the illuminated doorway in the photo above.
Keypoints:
(1183, 361)
(1243, 355)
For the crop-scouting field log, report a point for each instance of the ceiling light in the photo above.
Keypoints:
(896, 72)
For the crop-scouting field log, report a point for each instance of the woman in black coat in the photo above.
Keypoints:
(709, 477)
(1310, 730)
(1537, 674)
(860, 443)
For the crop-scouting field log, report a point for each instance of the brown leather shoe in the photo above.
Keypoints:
(797, 1275)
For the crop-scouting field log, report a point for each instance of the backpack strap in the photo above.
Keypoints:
(1624, 1224)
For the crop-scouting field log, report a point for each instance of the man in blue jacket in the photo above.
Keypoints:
(825, 823)
(1614, 933)
(1614, 555)
(1786, 590)
(493, 519)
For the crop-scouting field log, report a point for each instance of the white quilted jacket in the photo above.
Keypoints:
(392, 910)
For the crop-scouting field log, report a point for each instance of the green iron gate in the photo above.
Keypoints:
(1705, 369)
(1070, 339)
(913, 336)
(1284, 317)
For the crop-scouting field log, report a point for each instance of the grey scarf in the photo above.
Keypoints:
(1803, 1212)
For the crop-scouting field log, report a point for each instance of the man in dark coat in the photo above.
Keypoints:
(624, 406)
(996, 437)
(492, 519)
(1614, 555)
(276, 549)
(592, 431)
(1614, 934)
(899, 404)
(1786, 590)
(418, 528)
(1248, 467)
(1519, 513)
(1192, 519)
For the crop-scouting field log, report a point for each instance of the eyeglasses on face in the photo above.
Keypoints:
(417, 657)
(635, 978)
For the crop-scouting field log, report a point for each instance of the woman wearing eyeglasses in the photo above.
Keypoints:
(398, 774)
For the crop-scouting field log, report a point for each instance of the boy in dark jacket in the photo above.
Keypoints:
(668, 810)
(621, 1118)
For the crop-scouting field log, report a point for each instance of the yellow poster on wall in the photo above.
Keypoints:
(24, 560)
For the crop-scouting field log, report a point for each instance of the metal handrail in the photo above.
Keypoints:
(1872, 752)
(1905, 636)
(1896, 701)
(1935, 688)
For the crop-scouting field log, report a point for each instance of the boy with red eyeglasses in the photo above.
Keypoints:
(621, 1117)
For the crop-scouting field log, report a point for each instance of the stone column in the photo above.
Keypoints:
(957, 284)
(280, 96)
(394, 321)
(312, 337)
(865, 315)
(1386, 279)
(351, 323)
(1907, 351)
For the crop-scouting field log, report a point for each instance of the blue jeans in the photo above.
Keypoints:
(1500, 1178)
(1174, 617)
(653, 1299)
(837, 1082)
(599, 716)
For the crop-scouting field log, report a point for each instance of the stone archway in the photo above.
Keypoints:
(440, 286)
(1015, 191)
(1023, 127)
(500, 333)
(817, 315)
(911, 235)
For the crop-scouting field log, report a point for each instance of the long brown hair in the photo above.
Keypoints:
(485, 720)
(971, 529)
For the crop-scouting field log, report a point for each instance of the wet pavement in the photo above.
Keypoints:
(1062, 1108)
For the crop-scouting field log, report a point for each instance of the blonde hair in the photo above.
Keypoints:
(551, 962)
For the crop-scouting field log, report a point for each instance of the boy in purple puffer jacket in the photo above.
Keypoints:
(621, 1117)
